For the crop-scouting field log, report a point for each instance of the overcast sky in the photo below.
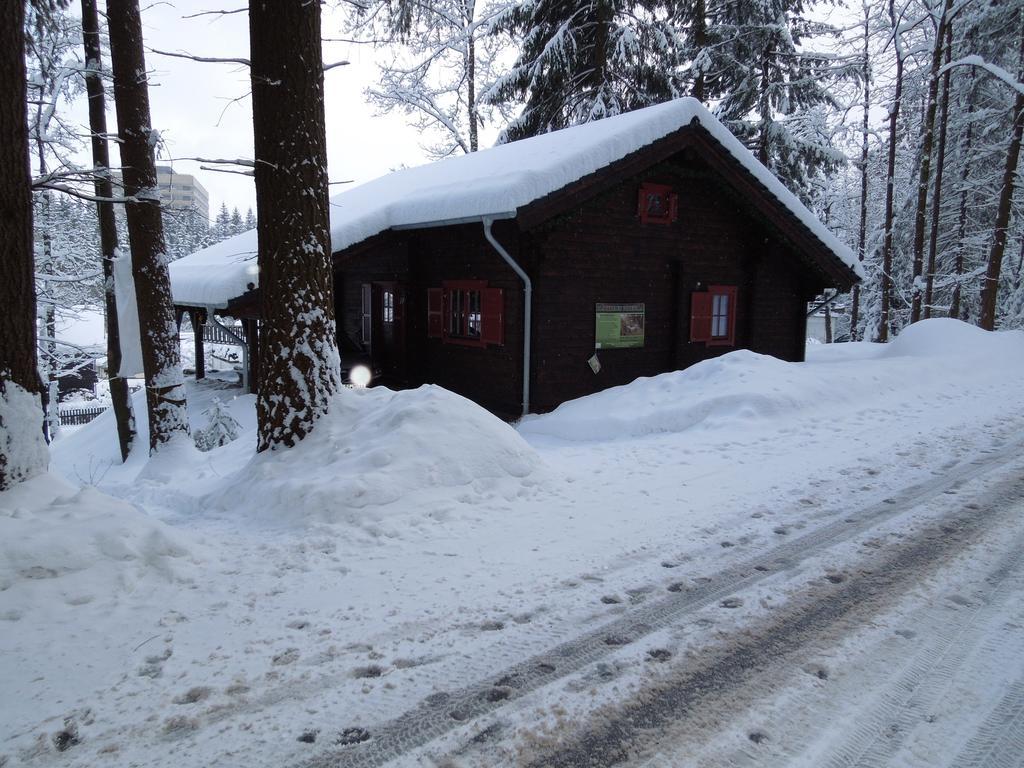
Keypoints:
(192, 103)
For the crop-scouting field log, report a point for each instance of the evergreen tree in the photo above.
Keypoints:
(221, 224)
(584, 61)
(235, 226)
(250, 220)
(222, 428)
(299, 365)
(774, 92)
(161, 356)
(22, 450)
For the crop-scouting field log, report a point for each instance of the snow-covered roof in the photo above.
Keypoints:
(492, 182)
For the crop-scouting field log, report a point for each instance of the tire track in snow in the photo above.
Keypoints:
(999, 742)
(442, 712)
(641, 723)
(881, 732)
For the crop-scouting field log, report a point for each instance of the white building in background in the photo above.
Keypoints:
(178, 191)
(182, 191)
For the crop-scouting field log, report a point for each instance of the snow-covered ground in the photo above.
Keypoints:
(224, 609)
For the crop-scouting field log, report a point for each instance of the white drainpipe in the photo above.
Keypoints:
(527, 308)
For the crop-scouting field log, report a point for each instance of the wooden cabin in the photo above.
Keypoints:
(640, 244)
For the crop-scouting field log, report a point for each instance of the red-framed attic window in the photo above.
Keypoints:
(657, 204)
(713, 316)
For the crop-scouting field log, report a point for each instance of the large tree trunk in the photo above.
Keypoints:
(890, 183)
(469, 10)
(965, 170)
(700, 41)
(940, 165)
(862, 229)
(161, 357)
(927, 139)
(298, 349)
(119, 395)
(990, 288)
(23, 451)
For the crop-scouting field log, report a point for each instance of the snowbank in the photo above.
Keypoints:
(377, 447)
(735, 387)
(945, 337)
(743, 386)
(62, 546)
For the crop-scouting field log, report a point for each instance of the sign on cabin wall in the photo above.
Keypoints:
(619, 326)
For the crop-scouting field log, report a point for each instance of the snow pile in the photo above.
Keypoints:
(736, 387)
(945, 337)
(742, 387)
(377, 447)
(62, 546)
(493, 182)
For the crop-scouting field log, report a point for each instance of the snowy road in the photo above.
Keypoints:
(940, 561)
(422, 585)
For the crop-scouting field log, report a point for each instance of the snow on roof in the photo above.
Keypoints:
(492, 182)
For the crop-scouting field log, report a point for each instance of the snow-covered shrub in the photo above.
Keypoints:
(222, 429)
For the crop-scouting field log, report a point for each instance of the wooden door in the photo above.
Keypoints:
(389, 354)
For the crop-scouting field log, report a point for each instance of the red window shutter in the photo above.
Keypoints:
(435, 313)
(492, 316)
(700, 316)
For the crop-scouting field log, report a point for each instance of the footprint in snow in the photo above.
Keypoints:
(193, 695)
(371, 670)
(288, 656)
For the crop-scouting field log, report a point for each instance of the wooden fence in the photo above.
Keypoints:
(74, 417)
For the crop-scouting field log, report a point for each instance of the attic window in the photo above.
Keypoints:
(658, 204)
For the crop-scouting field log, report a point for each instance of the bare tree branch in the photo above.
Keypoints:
(226, 170)
(201, 59)
(238, 161)
(216, 13)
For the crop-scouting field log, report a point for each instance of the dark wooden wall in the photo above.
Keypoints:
(600, 252)
(492, 375)
(596, 252)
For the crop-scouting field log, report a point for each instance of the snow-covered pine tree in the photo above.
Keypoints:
(221, 224)
(299, 366)
(23, 452)
(161, 356)
(221, 429)
(250, 220)
(235, 225)
(774, 90)
(186, 231)
(583, 61)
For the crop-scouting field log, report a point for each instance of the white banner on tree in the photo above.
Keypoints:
(127, 318)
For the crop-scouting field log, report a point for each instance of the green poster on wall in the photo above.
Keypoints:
(619, 326)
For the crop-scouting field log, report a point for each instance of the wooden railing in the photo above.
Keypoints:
(74, 417)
